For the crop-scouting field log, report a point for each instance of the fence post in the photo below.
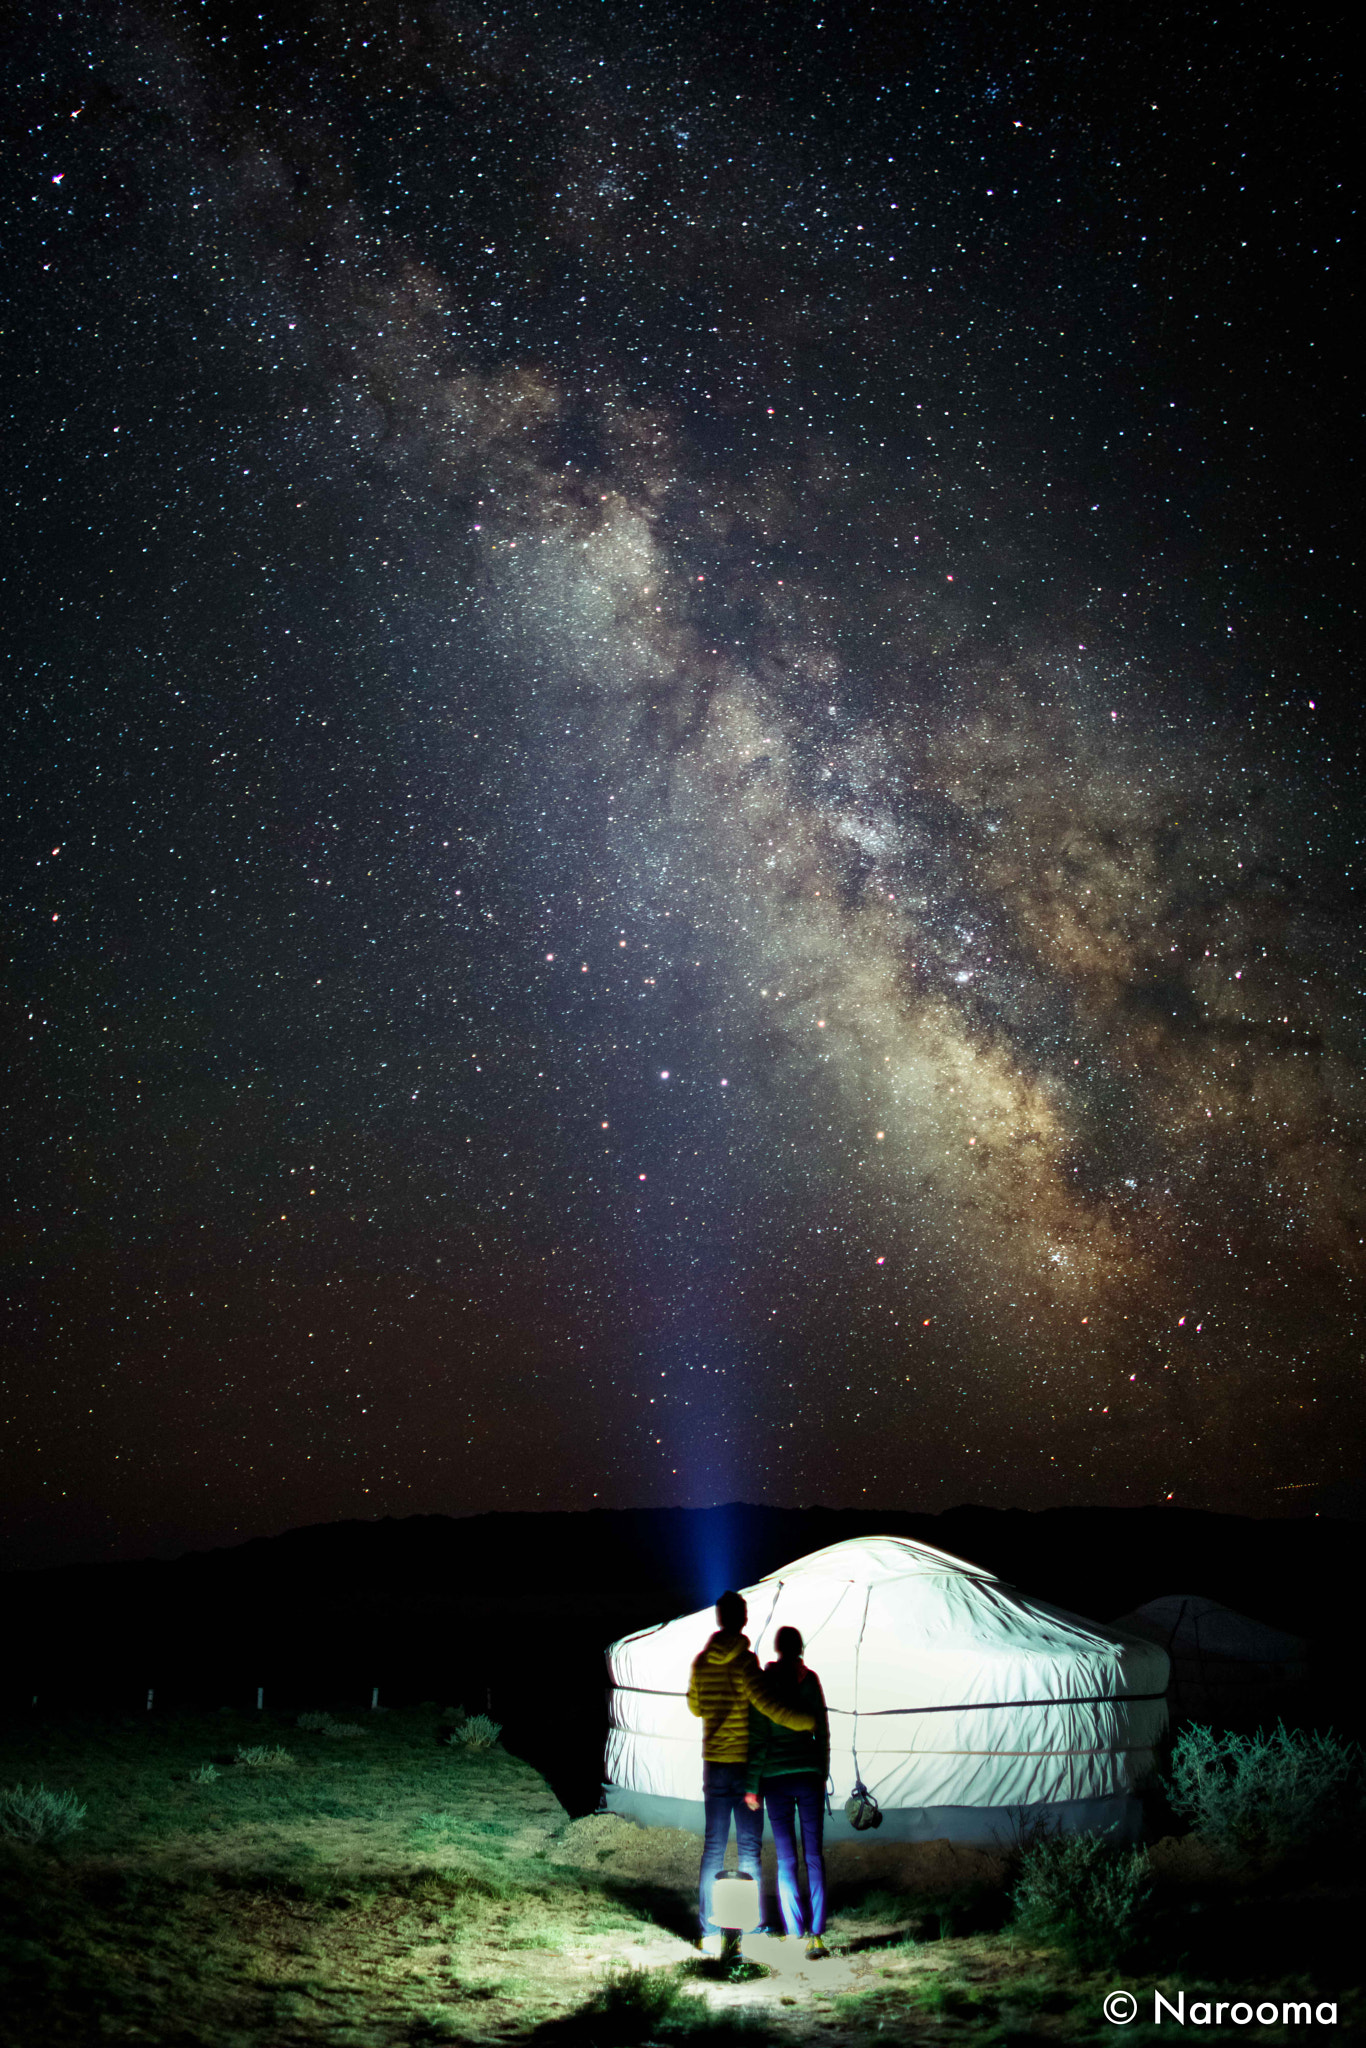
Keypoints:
(374, 1698)
(149, 1699)
(260, 1697)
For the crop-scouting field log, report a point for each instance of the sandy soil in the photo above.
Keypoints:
(793, 1991)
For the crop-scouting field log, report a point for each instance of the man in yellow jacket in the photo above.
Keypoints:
(725, 1681)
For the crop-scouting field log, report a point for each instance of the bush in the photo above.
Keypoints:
(477, 1731)
(37, 1815)
(1083, 1895)
(1264, 1794)
(207, 1774)
(632, 2004)
(323, 1724)
(263, 1759)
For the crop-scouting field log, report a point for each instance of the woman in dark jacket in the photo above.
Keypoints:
(789, 1771)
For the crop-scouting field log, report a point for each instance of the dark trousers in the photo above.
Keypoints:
(799, 1799)
(723, 1794)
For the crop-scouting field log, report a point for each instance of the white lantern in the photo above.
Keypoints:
(735, 1902)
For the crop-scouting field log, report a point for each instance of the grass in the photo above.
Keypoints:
(979, 1993)
(364, 1893)
(401, 1889)
(639, 2008)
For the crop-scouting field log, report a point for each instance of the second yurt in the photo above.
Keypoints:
(1226, 1667)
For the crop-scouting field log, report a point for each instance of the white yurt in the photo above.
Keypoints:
(965, 1709)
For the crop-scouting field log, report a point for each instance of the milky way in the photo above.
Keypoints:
(687, 822)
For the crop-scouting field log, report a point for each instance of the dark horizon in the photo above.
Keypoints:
(1344, 1509)
(686, 765)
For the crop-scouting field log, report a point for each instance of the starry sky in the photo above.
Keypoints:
(683, 816)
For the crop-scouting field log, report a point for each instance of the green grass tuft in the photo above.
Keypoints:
(476, 1731)
(261, 1757)
(634, 2001)
(33, 1814)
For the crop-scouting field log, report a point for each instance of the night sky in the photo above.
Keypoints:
(681, 811)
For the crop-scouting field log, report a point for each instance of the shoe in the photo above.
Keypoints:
(815, 1948)
(713, 1946)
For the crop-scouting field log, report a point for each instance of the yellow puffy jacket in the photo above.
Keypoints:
(724, 1681)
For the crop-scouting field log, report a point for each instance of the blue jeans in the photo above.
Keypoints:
(723, 1795)
(802, 1796)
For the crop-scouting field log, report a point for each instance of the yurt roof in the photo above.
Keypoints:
(894, 1625)
(870, 1559)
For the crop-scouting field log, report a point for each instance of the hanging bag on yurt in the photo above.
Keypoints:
(862, 1809)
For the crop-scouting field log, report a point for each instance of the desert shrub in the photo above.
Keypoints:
(454, 1717)
(33, 1814)
(207, 1774)
(476, 1731)
(1083, 1895)
(323, 1724)
(262, 1759)
(1264, 1794)
(631, 2004)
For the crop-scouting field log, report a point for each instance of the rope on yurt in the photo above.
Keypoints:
(760, 1632)
(861, 1806)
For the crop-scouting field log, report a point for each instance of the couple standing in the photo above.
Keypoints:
(765, 1742)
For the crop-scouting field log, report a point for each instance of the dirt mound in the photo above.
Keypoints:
(929, 1869)
(617, 1847)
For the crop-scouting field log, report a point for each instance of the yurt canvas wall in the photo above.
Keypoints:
(966, 1709)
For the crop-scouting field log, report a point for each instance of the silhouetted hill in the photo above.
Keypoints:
(516, 1609)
